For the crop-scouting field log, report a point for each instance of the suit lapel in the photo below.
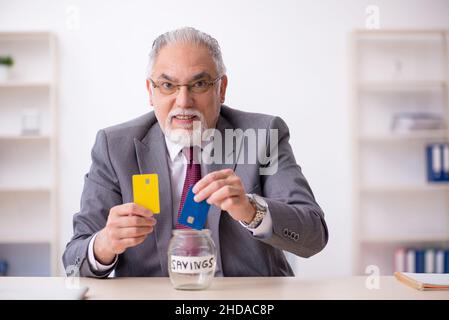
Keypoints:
(151, 157)
(214, 214)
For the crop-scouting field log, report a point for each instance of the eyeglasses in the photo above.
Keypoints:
(200, 86)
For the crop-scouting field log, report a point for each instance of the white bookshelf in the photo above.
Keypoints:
(28, 162)
(394, 206)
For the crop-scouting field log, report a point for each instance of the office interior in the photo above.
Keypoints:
(362, 85)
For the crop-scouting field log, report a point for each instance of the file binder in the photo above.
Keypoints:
(419, 261)
(429, 264)
(410, 262)
(437, 162)
(446, 261)
(446, 162)
(439, 261)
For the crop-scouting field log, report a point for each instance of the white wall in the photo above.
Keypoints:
(288, 58)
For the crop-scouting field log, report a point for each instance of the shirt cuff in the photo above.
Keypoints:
(97, 266)
(264, 229)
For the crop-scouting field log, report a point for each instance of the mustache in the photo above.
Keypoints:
(184, 112)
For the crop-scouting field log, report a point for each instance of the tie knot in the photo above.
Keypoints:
(190, 154)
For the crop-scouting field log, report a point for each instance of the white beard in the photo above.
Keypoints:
(179, 136)
(185, 136)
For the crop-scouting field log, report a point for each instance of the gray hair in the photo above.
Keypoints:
(187, 35)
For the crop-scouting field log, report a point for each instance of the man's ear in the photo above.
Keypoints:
(150, 91)
(223, 86)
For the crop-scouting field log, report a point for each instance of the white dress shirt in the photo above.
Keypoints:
(178, 167)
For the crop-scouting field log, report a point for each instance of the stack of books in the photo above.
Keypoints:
(422, 260)
(407, 122)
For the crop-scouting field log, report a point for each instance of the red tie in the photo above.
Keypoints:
(193, 175)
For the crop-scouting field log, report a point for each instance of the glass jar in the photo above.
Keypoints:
(191, 259)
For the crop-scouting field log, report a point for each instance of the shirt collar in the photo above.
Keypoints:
(173, 148)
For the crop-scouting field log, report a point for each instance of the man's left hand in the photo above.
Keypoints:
(225, 190)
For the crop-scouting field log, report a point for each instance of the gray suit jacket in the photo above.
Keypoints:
(138, 147)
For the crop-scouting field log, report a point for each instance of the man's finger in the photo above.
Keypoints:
(133, 208)
(131, 242)
(213, 176)
(135, 221)
(133, 232)
(207, 191)
(226, 203)
(224, 193)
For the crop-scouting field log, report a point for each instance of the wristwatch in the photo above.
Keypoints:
(261, 210)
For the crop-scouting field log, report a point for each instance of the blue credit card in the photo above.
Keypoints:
(194, 214)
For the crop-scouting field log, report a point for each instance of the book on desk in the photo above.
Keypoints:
(424, 281)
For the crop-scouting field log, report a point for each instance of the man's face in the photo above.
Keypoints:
(176, 112)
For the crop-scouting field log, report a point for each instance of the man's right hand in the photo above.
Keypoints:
(128, 225)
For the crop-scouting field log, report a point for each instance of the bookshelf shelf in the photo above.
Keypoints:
(403, 86)
(25, 189)
(25, 138)
(397, 73)
(26, 240)
(416, 239)
(405, 189)
(422, 136)
(28, 163)
(25, 84)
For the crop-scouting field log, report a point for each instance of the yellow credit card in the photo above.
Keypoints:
(146, 191)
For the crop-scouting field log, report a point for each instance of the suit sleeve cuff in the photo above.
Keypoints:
(94, 264)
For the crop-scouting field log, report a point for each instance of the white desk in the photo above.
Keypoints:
(226, 289)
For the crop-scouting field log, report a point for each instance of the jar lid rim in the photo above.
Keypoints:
(190, 231)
